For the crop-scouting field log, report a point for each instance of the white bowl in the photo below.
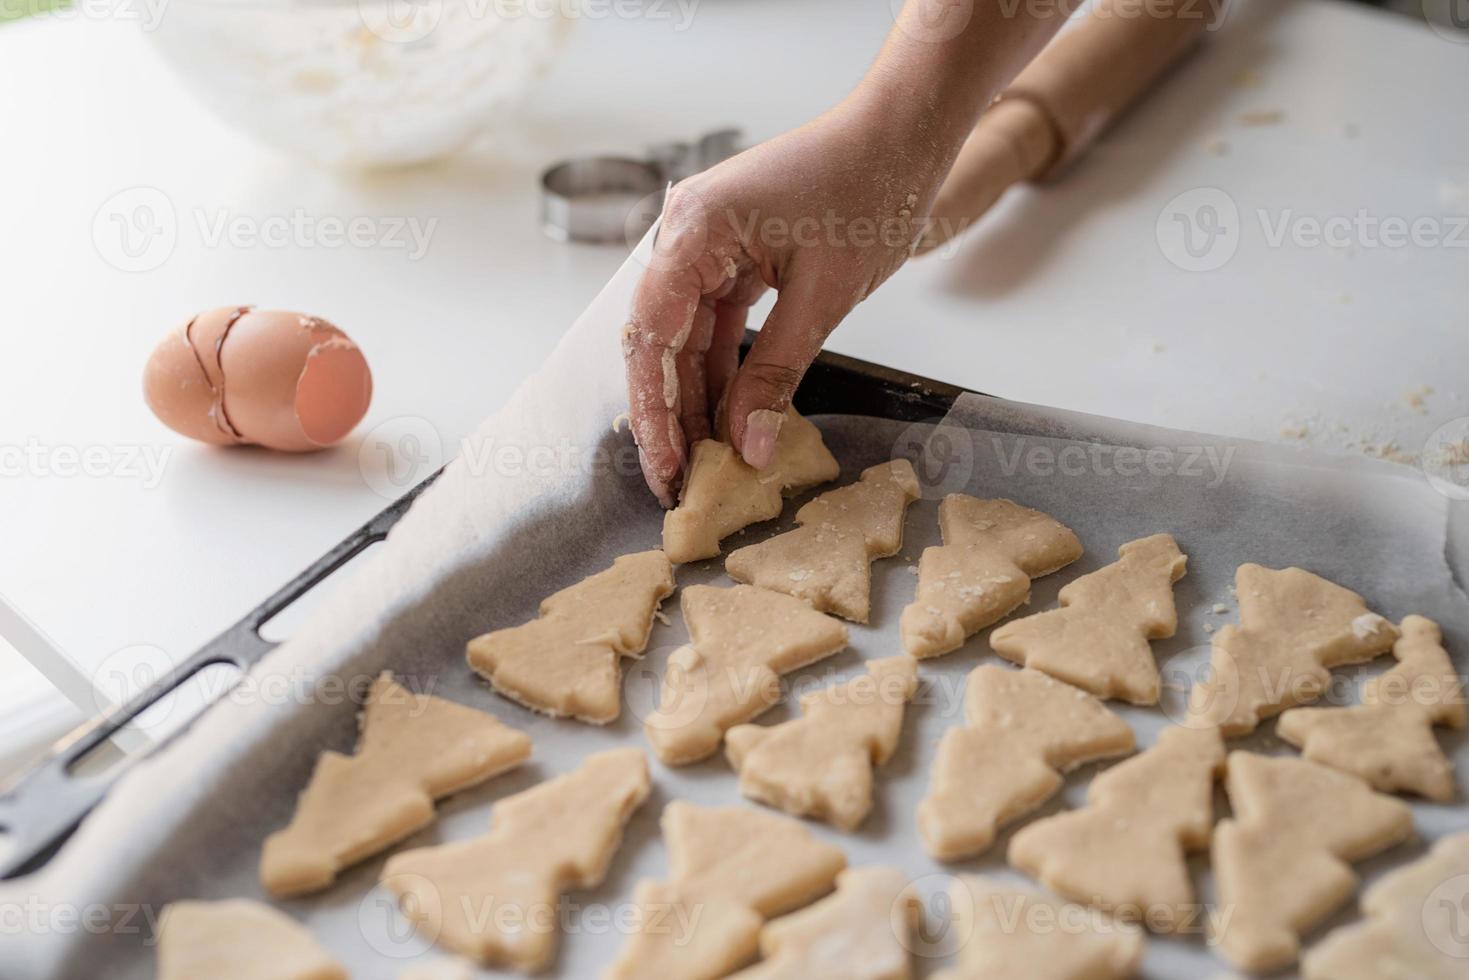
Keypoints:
(361, 83)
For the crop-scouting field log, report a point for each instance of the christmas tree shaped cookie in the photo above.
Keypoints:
(863, 931)
(826, 560)
(992, 550)
(1388, 738)
(1020, 933)
(1023, 730)
(722, 493)
(413, 749)
(731, 869)
(239, 940)
(1281, 865)
(1126, 851)
(741, 640)
(820, 764)
(493, 899)
(567, 662)
(1294, 627)
(1099, 638)
(1414, 925)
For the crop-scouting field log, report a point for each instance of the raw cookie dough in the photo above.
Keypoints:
(413, 749)
(1126, 851)
(1099, 638)
(1294, 627)
(440, 969)
(722, 493)
(1014, 933)
(741, 640)
(820, 765)
(1414, 925)
(1388, 738)
(1022, 730)
(567, 663)
(731, 869)
(1281, 865)
(862, 932)
(239, 940)
(992, 550)
(826, 561)
(494, 898)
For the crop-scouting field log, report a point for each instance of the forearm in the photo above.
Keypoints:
(945, 60)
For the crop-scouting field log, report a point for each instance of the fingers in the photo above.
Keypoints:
(804, 315)
(662, 320)
(693, 400)
(730, 316)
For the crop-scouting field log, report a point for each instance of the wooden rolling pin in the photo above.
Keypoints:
(1092, 71)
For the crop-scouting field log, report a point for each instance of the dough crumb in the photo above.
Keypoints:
(622, 417)
(1220, 609)
(1257, 118)
(1294, 432)
(1416, 398)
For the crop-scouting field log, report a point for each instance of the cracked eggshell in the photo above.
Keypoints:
(240, 376)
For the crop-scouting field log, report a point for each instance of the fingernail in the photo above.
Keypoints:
(762, 428)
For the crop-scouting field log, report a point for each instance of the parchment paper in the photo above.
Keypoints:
(492, 537)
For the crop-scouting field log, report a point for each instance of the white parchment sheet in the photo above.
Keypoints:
(485, 544)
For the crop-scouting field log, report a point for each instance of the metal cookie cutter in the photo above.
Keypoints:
(616, 199)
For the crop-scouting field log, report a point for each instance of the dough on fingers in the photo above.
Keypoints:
(1412, 927)
(1281, 865)
(1388, 739)
(723, 494)
(1126, 851)
(741, 640)
(992, 550)
(1099, 640)
(1020, 933)
(731, 869)
(494, 899)
(413, 749)
(864, 931)
(1022, 730)
(820, 765)
(1294, 627)
(826, 561)
(567, 662)
(239, 939)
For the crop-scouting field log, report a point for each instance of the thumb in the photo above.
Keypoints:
(805, 313)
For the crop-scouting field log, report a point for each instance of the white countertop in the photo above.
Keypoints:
(1063, 297)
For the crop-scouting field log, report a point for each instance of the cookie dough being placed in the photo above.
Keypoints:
(820, 765)
(1126, 852)
(731, 869)
(1413, 925)
(723, 494)
(826, 560)
(1022, 730)
(413, 749)
(568, 663)
(741, 640)
(494, 898)
(1388, 738)
(992, 550)
(1019, 933)
(1281, 866)
(1294, 628)
(1099, 638)
(239, 940)
(862, 932)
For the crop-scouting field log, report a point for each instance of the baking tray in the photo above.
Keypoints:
(45, 805)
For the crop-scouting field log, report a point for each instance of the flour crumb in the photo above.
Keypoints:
(1220, 609)
(621, 419)
(1416, 398)
(1258, 118)
(1297, 432)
